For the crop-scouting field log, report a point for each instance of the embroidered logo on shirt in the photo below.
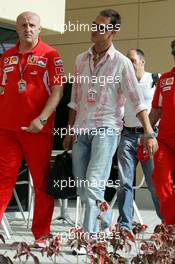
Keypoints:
(42, 62)
(13, 60)
(162, 82)
(59, 70)
(6, 60)
(58, 61)
(33, 60)
(8, 69)
(34, 73)
(166, 88)
(169, 81)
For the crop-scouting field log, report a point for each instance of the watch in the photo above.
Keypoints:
(150, 135)
(43, 121)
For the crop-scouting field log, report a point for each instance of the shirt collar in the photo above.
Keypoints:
(33, 51)
(110, 51)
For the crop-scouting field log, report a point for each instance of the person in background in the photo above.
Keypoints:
(130, 140)
(163, 108)
(29, 96)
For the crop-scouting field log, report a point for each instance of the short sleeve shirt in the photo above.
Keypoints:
(40, 69)
(147, 89)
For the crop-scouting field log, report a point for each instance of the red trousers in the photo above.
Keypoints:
(164, 167)
(36, 149)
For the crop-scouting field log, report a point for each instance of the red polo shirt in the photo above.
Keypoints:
(165, 97)
(41, 69)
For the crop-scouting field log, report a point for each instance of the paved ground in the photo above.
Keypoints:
(21, 233)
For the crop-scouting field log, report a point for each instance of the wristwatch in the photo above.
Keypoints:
(150, 135)
(43, 121)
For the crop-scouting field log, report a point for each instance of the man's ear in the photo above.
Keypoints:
(143, 62)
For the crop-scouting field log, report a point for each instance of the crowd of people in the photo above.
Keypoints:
(135, 109)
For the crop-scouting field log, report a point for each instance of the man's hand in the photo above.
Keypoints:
(151, 145)
(1, 90)
(67, 142)
(34, 127)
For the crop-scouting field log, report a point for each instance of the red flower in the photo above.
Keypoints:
(100, 248)
(102, 259)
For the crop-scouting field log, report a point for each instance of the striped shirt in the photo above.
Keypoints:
(112, 80)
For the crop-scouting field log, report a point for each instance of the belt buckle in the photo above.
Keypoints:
(137, 129)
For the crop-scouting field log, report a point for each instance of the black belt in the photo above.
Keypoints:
(135, 129)
(139, 129)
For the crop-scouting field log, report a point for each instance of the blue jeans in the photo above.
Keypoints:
(127, 163)
(92, 159)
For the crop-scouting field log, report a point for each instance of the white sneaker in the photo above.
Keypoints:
(108, 231)
(41, 243)
(79, 251)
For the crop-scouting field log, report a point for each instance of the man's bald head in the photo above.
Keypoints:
(28, 27)
(28, 14)
(137, 58)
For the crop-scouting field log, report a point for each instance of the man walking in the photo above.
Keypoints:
(96, 114)
(28, 99)
(130, 139)
(163, 107)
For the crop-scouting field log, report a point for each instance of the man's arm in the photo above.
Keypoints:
(67, 142)
(150, 142)
(50, 106)
(54, 82)
(52, 102)
(72, 116)
(135, 98)
(155, 115)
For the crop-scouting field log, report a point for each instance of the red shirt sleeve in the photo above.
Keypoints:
(1, 72)
(55, 69)
(157, 99)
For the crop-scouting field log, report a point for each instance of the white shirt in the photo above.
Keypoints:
(110, 95)
(145, 86)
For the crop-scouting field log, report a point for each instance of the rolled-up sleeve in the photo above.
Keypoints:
(130, 88)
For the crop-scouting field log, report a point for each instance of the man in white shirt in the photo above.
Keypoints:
(96, 112)
(127, 151)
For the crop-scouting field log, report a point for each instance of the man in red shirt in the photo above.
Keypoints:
(30, 75)
(163, 106)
